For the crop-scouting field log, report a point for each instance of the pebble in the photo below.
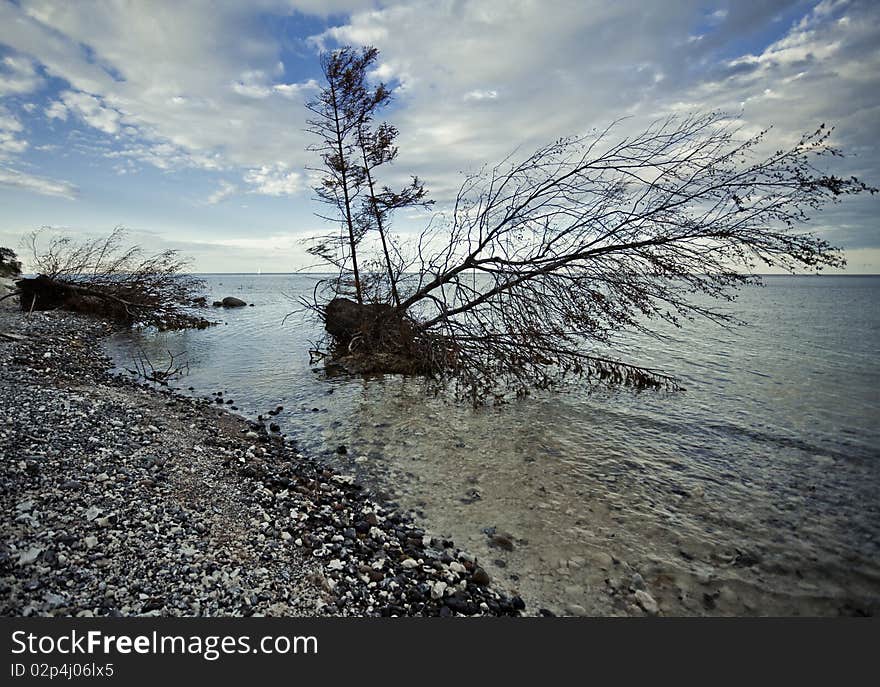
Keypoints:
(575, 610)
(481, 577)
(29, 556)
(646, 601)
(155, 504)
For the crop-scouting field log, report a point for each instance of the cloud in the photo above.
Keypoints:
(274, 180)
(481, 95)
(14, 179)
(56, 110)
(187, 85)
(294, 90)
(257, 84)
(10, 127)
(92, 111)
(226, 189)
(182, 83)
(585, 64)
(18, 75)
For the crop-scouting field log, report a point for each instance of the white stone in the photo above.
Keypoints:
(438, 590)
(575, 609)
(29, 556)
(646, 601)
(409, 563)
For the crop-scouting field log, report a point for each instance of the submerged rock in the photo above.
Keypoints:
(232, 302)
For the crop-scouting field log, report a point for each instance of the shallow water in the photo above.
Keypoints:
(755, 491)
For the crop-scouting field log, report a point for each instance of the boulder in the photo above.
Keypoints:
(232, 302)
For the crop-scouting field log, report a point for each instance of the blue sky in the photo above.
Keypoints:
(184, 121)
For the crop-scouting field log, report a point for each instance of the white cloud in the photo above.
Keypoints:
(274, 180)
(203, 79)
(10, 127)
(11, 178)
(56, 110)
(226, 189)
(8, 121)
(257, 84)
(253, 84)
(187, 85)
(481, 95)
(568, 66)
(18, 75)
(293, 90)
(9, 144)
(92, 111)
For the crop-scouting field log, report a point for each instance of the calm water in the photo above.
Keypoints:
(755, 491)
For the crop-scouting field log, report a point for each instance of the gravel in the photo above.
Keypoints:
(121, 499)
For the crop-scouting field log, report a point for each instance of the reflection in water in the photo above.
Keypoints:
(755, 491)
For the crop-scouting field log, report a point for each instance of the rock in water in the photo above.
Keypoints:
(232, 302)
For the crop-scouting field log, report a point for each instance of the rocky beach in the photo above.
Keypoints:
(121, 499)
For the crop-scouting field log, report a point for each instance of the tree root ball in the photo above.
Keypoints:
(372, 338)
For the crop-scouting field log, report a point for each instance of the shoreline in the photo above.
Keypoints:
(126, 500)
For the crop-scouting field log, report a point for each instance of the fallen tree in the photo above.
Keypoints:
(541, 262)
(105, 278)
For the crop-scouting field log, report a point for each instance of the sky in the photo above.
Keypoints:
(184, 121)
